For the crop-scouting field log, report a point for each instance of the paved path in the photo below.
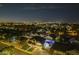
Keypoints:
(39, 51)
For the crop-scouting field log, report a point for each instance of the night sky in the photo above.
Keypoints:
(40, 12)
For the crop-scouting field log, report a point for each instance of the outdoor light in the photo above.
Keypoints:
(48, 44)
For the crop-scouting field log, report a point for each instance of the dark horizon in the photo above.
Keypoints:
(56, 12)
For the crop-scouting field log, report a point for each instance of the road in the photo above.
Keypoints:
(17, 50)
